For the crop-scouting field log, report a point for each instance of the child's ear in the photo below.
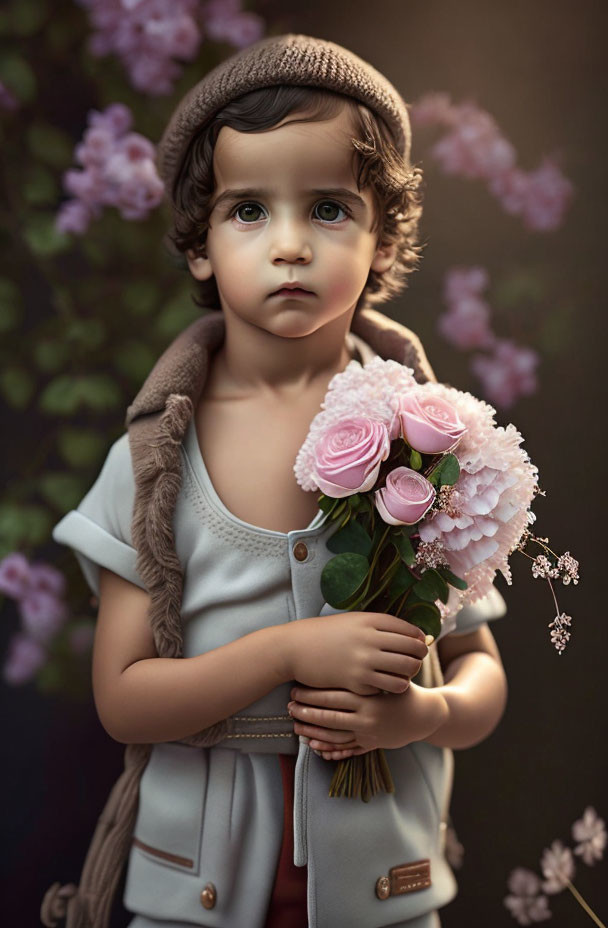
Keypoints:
(199, 264)
(384, 257)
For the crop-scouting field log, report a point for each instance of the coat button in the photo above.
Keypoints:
(383, 887)
(300, 551)
(208, 896)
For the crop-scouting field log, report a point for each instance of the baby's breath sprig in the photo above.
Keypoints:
(551, 566)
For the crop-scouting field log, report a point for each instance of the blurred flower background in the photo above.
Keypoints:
(506, 107)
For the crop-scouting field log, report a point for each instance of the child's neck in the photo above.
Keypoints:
(254, 360)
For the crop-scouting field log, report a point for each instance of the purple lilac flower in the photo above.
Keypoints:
(14, 572)
(42, 614)
(8, 101)
(226, 22)
(25, 657)
(117, 170)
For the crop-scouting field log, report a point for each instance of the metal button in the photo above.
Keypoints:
(300, 551)
(383, 887)
(209, 896)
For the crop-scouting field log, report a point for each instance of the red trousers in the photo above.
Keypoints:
(288, 907)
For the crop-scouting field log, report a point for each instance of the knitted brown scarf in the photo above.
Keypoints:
(157, 422)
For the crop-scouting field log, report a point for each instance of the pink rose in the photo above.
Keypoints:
(406, 497)
(347, 458)
(429, 423)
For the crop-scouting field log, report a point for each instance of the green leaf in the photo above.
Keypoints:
(61, 490)
(342, 577)
(90, 333)
(352, 538)
(134, 360)
(452, 579)
(50, 355)
(415, 460)
(447, 471)
(425, 616)
(42, 236)
(432, 586)
(81, 447)
(140, 297)
(404, 546)
(27, 16)
(326, 503)
(22, 526)
(175, 316)
(40, 187)
(19, 77)
(99, 392)
(50, 145)
(17, 386)
(60, 396)
(11, 304)
(401, 582)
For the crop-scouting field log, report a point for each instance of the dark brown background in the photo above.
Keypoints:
(539, 69)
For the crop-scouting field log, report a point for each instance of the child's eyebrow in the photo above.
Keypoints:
(343, 193)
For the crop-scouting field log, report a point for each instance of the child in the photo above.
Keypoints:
(294, 201)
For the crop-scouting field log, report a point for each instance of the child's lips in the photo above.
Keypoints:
(292, 291)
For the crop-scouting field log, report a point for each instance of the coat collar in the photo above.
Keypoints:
(182, 368)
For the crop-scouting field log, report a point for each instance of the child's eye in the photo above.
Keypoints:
(248, 212)
(327, 211)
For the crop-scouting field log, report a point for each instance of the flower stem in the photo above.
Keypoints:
(582, 902)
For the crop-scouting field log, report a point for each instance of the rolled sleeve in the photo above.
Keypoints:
(484, 610)
(99, 529)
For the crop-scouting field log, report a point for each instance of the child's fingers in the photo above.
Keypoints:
(328, 699)
(334, 737)
(327, 718)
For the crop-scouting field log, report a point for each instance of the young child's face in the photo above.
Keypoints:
(287, 209)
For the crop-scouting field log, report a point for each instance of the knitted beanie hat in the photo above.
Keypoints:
(284, 59)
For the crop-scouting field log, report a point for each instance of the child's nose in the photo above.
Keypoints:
(290, 243)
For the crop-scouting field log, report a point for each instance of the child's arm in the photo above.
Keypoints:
(459, 714)
(143, 698)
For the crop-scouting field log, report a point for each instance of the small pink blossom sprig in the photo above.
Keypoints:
(117, 170)
(507, 371)
(527, 901)
(38, 590)
(551, 566)
(474, 147)
(152, 38)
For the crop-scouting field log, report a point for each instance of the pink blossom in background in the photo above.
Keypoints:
(590, 831)
(25, 657)
(14, 572)
(474, 147)
(147, 36)
(507, 373)
(557, 865)
(226, 22)
(117, 170)
(467, 324)
(42, 615)
(525, 902)
(8, 101)
(45, 577)
(461, 283)
(152, 38)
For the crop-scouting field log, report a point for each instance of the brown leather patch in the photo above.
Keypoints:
(173, 858)
(408, 878)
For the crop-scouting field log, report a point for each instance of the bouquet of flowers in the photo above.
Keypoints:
(431, 497)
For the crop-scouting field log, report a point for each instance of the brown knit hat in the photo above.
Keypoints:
(284, 59)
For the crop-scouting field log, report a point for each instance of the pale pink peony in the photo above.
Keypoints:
(406, 497)
(590, 831)
(492, 496)
(429, 424)
(357, 391)
(348, 456)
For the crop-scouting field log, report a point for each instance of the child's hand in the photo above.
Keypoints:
(342, 724)
(360, 651)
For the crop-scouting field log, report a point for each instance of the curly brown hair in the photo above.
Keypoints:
(396, 186)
